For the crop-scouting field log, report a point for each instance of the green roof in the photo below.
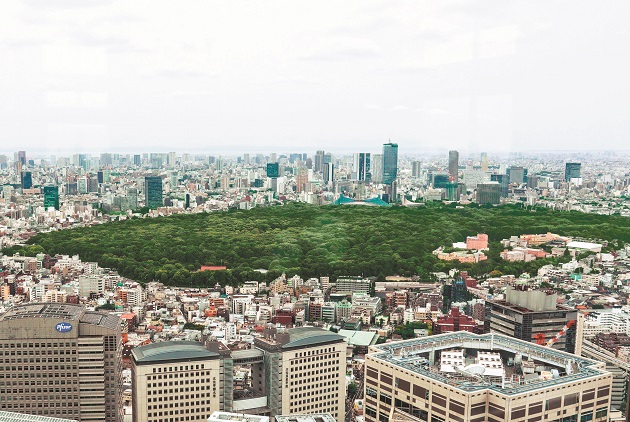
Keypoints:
(171, 351)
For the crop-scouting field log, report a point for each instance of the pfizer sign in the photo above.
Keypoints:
(63, 327)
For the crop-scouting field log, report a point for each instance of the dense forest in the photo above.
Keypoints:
(313, 241)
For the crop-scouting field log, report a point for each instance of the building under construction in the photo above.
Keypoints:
(534, 316)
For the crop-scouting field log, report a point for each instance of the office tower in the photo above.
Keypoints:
(27, 180)
(361, 166)
(329, 173)
(376, 168)
(137, 161)
(532, 315)
(465, 377)
(106, 160)
(171, 159)
(350, 285)
(21, 157)
(453, 165)
(319, 161)
(416, 170)
(439, 180)
(572, 171)
(516, 174)
(68, 362)
(51, 197)
(273, 170)
(390, 162)
(301, 180)
(153, 192)
(176, 381)
(454, 191)
(484, 161)
(303, 371)
(488, 193)
(100, 176)
(503, 180)
(273, 157)
(132, 198)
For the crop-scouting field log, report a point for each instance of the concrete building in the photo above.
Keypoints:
(176, 381)
(404, 381)
(303, 371)
(349, 285)
(237, 417)
(19, 417)
(311, 417)
(532, 315)
(61, 360)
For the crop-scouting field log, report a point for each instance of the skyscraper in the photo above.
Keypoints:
(488, 193)
(390, 162)
(137, 161)
(153, 192)
(302, 371)
(27, 180)
(453, 165)
(319, 161)
(362, 166)
(415, 169)
(51, 197)
(68, 362)
(376, 168)
(329, 173)
(484, 161)
(22, 157)
(572, 171)
(273, 170)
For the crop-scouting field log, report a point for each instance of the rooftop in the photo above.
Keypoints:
(63, 311)
(296, 337)
(170, 351)
(240, 417)
(314, 417)
(411, 356)
(19, 417)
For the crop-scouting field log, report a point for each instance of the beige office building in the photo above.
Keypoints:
(303, 371)
(176, 381)
(60, 360)
(420, 380)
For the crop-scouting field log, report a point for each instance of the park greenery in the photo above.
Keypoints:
(314, 241)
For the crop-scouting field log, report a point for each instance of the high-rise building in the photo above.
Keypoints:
(453, 165)
(376, 168)
(361, 166)
(176, 381)
(488, 193)
(329, 173)
(532, 315)
(469, 377)
(318, 165)
(572, 171)
(503, 181)
(137, 160)
(51, 197)
(153, 192)
(390, 163)
(416, 169)
(303, 371)
(273, 170)
(27, 180)
(517, 174)
(58, 359)
(484, 161)
(21, 157)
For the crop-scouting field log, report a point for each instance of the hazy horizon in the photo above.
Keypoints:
(112, 75)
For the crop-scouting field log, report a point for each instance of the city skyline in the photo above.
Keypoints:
(495, 77)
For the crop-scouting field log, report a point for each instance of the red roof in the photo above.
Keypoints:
(213, 268)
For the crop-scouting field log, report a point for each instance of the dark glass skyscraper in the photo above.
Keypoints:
(572, 171)
(153, 192)
(51, 197)
(273, 170)
(390, 163)
(27, 180)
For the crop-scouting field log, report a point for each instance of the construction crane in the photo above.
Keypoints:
(562, 332)
(540, 337)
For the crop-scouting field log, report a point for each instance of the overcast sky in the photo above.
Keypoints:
(262, 76)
